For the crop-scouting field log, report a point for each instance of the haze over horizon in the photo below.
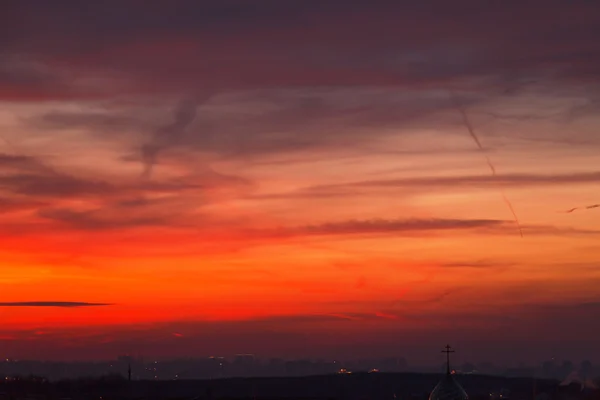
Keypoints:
(295, 178)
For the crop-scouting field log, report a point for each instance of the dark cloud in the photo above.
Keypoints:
(54, 185)
(133, 207)
(231, 45)
(30, 176)
(383, 226)
(21, 163)
(127, 205)
(30, 185)
(11, 204)
(483, 181)
(22, 79)
(170, 51)
(65, 304)
(414, 227)
(479, 264)
(284, 121)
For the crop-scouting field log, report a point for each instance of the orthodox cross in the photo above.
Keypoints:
(448, 351)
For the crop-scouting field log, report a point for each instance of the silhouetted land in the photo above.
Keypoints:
(352, 387)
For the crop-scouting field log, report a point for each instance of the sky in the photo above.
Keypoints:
(300, 178)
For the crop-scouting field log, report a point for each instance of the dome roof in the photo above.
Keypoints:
(448, 389)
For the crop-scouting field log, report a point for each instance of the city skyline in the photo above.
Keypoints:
(300, 178)
(250, 365)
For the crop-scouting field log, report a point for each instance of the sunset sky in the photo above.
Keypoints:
(291, 178)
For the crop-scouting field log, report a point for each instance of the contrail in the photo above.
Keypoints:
(581, 208)
(168, 135)
(475, 138)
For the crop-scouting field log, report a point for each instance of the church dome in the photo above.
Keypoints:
(448, 388)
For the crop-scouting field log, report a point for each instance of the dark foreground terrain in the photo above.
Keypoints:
(352, 387)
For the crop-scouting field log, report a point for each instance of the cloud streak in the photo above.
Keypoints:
(479, 264)
(441, 182)
(411, 227)
(94, 220)
(60, 304)
(383, 226)
(590, 207)
(168, 135)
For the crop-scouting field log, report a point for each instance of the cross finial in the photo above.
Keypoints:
(448, 351)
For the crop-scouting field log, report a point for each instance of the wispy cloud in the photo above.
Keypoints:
(440, 182)
(483, 181)
(85, 202)
(590, 207)
(53, 185)
(27, 175)
(382, 226)
(168, 135)
(414, 227)
(63, 304)
(101, 219)
(478, 264)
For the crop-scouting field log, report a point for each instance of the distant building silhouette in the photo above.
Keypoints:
(448, 388)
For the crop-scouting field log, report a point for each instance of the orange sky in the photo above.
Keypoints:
(285, 204)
